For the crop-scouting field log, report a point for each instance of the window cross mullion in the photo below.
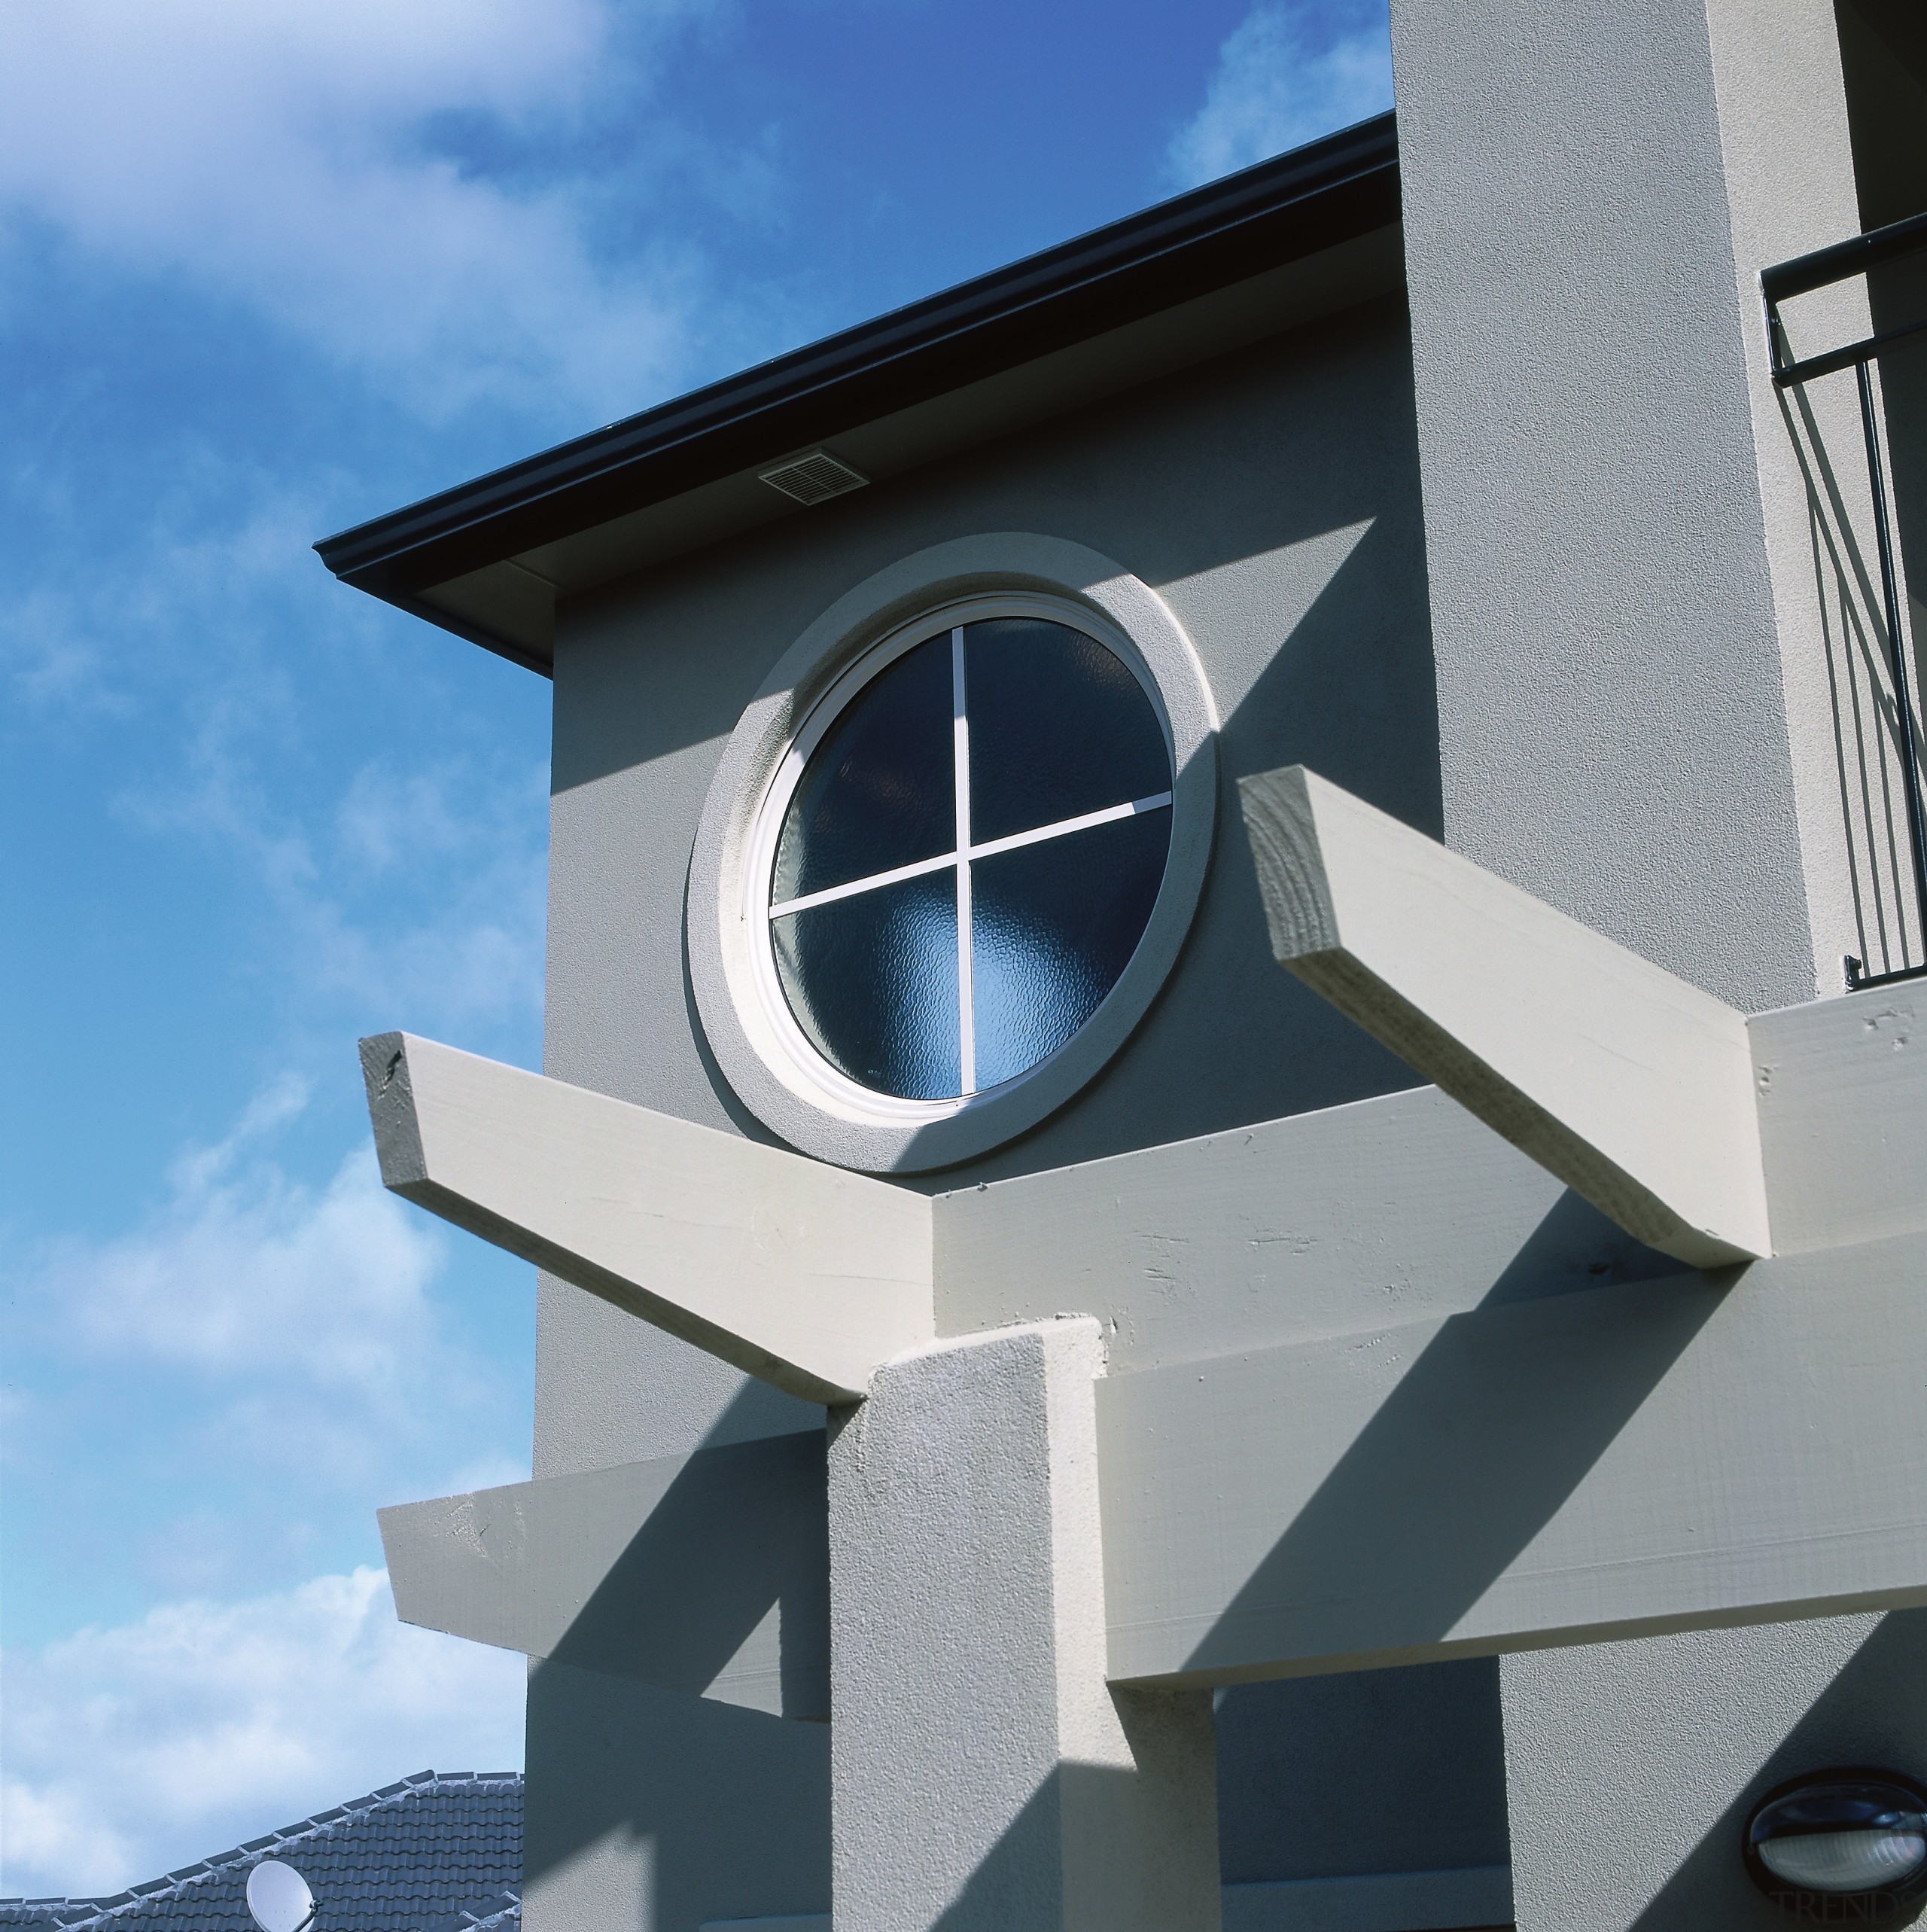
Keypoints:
(967, 1013)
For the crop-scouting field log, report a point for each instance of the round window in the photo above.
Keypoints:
(951, 851)
(960, 853)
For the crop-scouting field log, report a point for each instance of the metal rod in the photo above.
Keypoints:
(1859, 981)
(1854, 256)
(1785, 373)
(1909, 761)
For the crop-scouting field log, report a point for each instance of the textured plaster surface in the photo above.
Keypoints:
(985, 1775)
(647, 1808)
(1634, 1767)
(1321, 1771)
(1613, 726)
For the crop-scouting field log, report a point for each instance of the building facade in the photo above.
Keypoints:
(1223, 1238)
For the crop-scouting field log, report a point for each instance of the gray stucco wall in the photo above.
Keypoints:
(1615, 737)
(1271, 499)
(1396, 1769)
(1635, 1767)
(1612, 538)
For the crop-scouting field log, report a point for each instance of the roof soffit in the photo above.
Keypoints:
(1307, 234)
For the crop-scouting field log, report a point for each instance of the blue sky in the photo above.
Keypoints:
(266, 269)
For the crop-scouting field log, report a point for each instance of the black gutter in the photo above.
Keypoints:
(1330, 191)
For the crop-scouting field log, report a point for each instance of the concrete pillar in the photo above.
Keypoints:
(1635, 713)
(984, 1778)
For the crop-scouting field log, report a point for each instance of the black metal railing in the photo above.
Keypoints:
(1890, 948)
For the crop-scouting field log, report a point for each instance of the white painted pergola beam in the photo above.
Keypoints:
(1615, 1462)
(1631, 1085)
(798, 1273)
(706, 1574)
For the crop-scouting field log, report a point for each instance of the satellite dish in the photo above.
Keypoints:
(279, 1899)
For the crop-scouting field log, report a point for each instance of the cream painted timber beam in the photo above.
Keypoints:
(796, 1272)
(706, 1574)
(1612, 1463)
(1633, 1087)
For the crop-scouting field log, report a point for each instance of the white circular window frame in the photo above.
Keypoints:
(763, 1052)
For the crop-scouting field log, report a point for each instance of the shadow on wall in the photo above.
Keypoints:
(1883, 48)
(610, 1836)
(1251, 455)
(612, 1760)
(1020, 1881)
(1477, 1447)
(1403, 1769)
(1899, 295)
(1874, 1712)
(1230, 488)
(1095, 1845)
(741, 1532)
(1369, 1770)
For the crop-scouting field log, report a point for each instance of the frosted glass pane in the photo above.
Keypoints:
(1059, 726)
(1055, 924)
(880, 792)
(873, 981)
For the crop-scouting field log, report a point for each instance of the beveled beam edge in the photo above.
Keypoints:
(1631, 1086)
(800, 1274)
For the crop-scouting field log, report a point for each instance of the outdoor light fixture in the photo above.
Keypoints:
(1843, 1847)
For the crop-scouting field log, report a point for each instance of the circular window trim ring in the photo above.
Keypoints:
(800, 1097)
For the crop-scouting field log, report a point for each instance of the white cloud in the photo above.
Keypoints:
(131, 1751)
(423, 900)
(215, 1399)
(254, 1275)
(1291, 71)
(299, 157)
(296, 1323)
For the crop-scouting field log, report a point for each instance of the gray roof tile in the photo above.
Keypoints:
(440, 1851)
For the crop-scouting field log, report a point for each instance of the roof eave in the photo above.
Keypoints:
(1330, 191)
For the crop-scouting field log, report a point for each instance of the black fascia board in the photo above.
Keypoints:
(1312, 198)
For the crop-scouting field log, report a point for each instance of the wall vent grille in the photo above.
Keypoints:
(812, 478)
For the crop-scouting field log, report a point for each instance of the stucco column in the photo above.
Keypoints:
(1622, 516)
(985, 1776)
